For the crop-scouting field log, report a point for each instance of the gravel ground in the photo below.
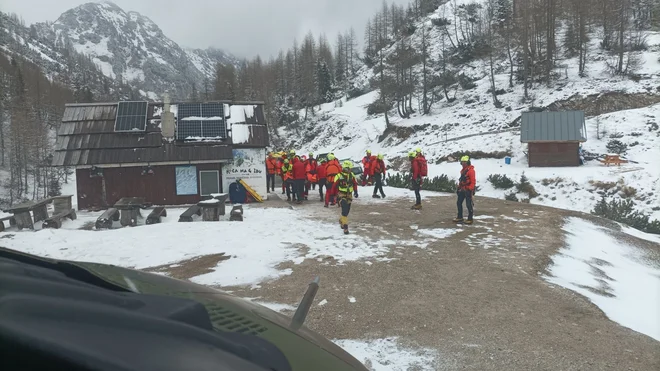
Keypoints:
(476, 296)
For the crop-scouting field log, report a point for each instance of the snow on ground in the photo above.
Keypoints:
(345, 128)
(388, 355)
(618, 277)
(255, 247)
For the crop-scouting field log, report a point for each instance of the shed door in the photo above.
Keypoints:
(209, 182)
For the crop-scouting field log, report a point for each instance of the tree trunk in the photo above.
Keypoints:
(622, 28)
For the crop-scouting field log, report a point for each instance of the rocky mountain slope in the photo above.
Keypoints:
(127, 47)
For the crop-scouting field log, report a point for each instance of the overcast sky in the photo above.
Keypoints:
(242, 27)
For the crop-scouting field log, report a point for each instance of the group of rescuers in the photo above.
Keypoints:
(299, 174)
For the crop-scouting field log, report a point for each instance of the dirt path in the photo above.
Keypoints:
(476, 296)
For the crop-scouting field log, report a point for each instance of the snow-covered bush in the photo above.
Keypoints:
(500, 181)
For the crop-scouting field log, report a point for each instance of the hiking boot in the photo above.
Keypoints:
(288, 199)
(375, 196)
(417, 207)
(382, 195)
(298, 202)
(457, 220)
(469, 221)
(345, 228)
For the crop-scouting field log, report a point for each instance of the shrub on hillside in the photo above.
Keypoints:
(54, 185)
(466, 82)
(440, 22)
(440, 183)
(511, 196)
(616, 146)
(525, 186)
(548, 181)
(355, 92)
(500, 181)
(376, 107)
(623, 211)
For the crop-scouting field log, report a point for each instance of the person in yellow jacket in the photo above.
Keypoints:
(287, 178)
(345, 185)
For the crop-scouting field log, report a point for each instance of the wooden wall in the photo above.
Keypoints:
(158, 188)
(551, 154)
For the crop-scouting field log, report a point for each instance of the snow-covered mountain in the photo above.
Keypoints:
(126, 46)
(129, 46)
(629, 108)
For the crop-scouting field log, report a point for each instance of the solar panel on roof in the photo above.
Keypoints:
(205, 120)
(131, 116)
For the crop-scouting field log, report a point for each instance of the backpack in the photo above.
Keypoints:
(423, 166)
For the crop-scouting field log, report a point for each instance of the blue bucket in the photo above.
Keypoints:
(507, 160)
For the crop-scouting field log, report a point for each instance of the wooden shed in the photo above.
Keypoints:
(170, 154)
(553, 138)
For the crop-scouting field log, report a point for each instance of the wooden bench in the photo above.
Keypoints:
(156, 214)
(12, 222)
(236, 213)
(186, 216)
(55, 221)
(105, 220)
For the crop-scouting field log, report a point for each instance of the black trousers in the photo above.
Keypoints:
(290, 190)
(466, 196)
(378, 184)
(417, 186)
(322, 183)
(345, 203)
(299, 188)
(270, 182)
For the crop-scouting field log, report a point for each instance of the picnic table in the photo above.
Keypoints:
(211, 209)
(23, 212)
(129, 209)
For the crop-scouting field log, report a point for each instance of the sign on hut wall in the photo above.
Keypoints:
(250, 165)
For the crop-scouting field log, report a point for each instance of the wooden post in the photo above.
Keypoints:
(129, 217)
(61, 204)
(23, 220)
(40, 213)
(210, 213)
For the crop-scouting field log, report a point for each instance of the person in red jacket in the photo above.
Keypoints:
(367, 172)
(332, 168)
(321, 174)
(299, 176)
(310, 166)
(271, 167)
(416, 179)
(465, 191)
(378, 168)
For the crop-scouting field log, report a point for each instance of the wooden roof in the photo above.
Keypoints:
(86, 137)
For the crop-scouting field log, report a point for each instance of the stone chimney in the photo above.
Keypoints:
(167, 119)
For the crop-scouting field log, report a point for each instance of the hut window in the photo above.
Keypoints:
(186, 180)
(209, 182)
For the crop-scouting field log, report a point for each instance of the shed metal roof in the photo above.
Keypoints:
(563, 126)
